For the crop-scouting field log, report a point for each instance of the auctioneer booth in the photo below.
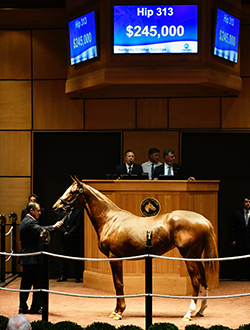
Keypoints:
(169, 276)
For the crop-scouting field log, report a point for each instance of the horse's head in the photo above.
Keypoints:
(70, 197)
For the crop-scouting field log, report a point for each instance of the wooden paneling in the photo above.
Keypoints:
(49, 54)
(13, 196)
(141, 142)
(15, 153)
(53, 109)
(110, 114)
(235, 111)
(194, 113)
(15, 54)
(245, 50)
(152, 113)
(15, 104)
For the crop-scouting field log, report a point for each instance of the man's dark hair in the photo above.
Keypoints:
(129, 150)
(33, 195)
(246, 197)
(167, 151)
(32, 206)
(153, 151)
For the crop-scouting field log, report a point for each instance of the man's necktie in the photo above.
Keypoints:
(247, 217)
(130, 169)
(152, 170)
(169, 170)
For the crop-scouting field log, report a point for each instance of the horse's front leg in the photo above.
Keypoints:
(117, 272)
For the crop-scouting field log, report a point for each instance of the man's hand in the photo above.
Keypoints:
(58, 224)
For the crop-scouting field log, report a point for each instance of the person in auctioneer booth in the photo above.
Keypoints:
(170, 169)
(128, 167)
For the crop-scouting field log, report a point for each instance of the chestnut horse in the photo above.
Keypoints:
(122, 234)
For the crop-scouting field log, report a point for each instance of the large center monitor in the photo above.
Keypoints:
(155, 29)
(226, 39)
(82, 38)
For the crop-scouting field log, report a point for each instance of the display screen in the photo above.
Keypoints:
(226, 36)
(156, 29)
(82, 38)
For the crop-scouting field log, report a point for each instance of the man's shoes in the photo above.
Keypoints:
(62, 279)
(36, 311)
(23, 311)
(78, 280)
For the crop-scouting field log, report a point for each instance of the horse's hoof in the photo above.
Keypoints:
(200, 314)
(186, 319)
(115, 316)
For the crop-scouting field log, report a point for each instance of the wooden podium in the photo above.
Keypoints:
(169, 276)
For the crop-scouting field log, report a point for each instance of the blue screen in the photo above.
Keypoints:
(82, 38)
(226, 36)
(156, 29)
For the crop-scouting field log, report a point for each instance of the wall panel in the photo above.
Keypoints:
(49, 54)
(152, 113)
(245, 50)
(235, 110)
(13, 195)
(53, 109)
(140, 142)
(15, 153)
(15, 54)
(194, 113)
(15, 105)
(110, 114)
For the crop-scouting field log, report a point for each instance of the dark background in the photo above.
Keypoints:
(207, 156)
(224, 157)
(59, 155)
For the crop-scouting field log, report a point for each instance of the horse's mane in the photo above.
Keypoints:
(100, 197)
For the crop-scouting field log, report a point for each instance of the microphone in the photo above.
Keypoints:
(130, 162)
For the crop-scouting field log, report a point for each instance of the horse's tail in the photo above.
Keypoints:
(210, 251)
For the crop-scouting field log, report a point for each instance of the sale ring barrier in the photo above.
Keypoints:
(12, 233)
(148, 294)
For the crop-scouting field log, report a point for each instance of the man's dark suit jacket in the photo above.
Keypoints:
(240, 233)
(72, 224)
(30, 232)
(177, 168)
(122, 169)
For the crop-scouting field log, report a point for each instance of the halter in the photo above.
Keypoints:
(70, 202)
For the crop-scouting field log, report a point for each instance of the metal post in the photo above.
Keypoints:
(148, 281)
(3, 222)
(14, 219)
(46, 240)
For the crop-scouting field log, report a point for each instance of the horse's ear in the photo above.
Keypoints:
(78, 181)
(73, 178)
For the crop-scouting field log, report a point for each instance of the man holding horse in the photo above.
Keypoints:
(30, 232)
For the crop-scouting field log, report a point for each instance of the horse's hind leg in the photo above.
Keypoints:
(204, 305)
(196, 273)
(116, 267)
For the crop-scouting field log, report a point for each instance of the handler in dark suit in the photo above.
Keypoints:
(128, 167)
(71, 240)
(176, 171)
(30, 232)
(240, 237)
